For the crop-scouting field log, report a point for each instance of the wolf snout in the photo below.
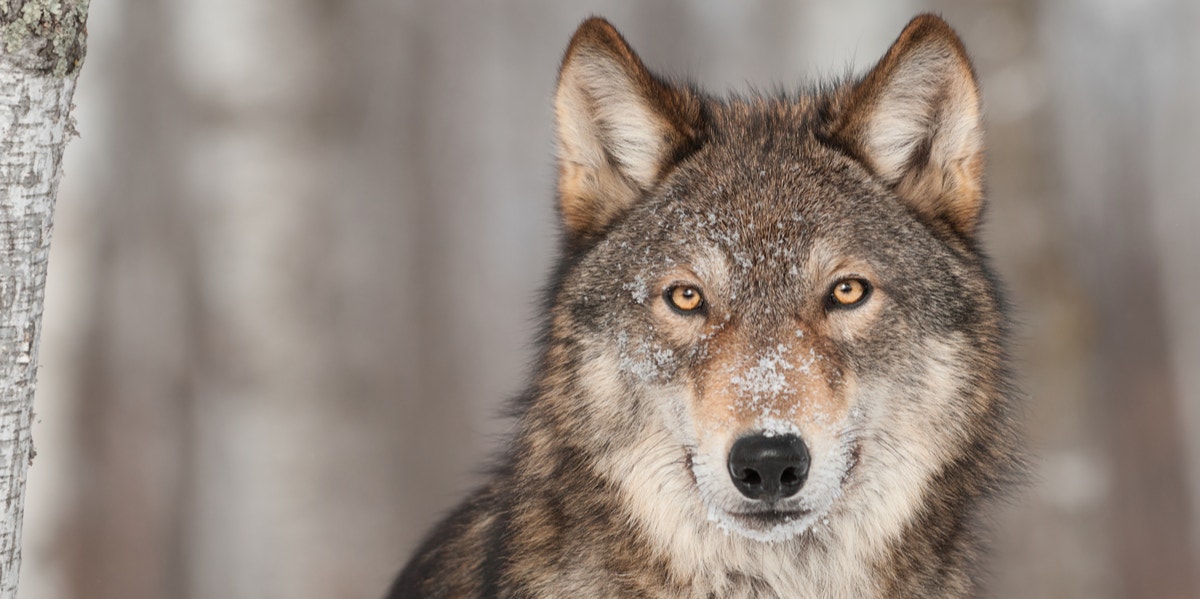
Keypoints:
(768, 468)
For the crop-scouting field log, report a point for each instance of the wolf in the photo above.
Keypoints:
(774, 358)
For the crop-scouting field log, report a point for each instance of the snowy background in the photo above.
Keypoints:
(299, 245)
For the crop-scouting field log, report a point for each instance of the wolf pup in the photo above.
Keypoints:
(773, 361)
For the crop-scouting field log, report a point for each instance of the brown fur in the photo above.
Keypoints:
(615, 484)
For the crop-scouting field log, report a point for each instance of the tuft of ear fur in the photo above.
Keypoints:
(915, 119)
(618, 127)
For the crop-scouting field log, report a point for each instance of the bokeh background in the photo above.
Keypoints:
(300, 242)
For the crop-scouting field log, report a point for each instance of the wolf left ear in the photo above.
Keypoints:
(618, 128)
(916, 121)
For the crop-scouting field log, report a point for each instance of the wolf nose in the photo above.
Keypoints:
(768, 468)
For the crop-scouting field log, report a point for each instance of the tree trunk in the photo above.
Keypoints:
(43, 47)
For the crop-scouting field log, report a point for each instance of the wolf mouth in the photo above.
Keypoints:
(771, 518)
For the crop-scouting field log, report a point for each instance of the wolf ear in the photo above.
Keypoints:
(618, 128)
(916, 121)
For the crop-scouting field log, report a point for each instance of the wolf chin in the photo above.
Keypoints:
(773, 361)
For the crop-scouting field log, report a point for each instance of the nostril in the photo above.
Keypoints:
(789, 477)
(751, 477)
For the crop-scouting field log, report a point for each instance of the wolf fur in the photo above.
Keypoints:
(615, 483)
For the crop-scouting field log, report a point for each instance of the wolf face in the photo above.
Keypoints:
(792, 275)
(773, 362)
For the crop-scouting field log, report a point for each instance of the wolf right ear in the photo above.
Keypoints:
(916, 121)
(618, 128)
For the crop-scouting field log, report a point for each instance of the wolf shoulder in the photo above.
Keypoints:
(459, 557)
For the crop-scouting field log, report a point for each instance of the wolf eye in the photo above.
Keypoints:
(848, 293)
(685, 299)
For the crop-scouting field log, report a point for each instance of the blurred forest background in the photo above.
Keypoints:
(300, 242)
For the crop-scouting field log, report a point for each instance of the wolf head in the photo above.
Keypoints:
(773, 318)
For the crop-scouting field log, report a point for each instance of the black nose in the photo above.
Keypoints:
(768, 468)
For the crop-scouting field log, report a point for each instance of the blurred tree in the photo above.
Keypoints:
(43, 49)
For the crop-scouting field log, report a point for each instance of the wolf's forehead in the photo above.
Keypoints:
(761, 205)
(760, 192)
(730, 228)
(765, 174)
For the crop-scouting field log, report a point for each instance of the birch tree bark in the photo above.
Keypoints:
(43, 48)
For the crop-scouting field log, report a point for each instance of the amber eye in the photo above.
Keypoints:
(849, 292)
(685, 299)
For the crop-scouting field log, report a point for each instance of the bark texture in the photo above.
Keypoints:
(42, 51)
